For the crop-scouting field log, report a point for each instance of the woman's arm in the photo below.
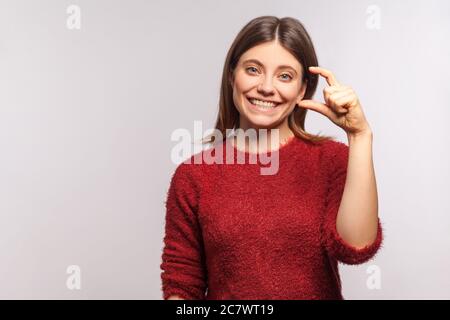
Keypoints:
(175, 297)
(352, 230)
(183, 258)
(357, 219)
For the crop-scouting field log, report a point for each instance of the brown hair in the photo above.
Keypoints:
(293, 37)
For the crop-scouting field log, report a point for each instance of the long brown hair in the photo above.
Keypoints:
(293, 37)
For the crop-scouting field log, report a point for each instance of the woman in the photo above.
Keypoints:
(232, 233)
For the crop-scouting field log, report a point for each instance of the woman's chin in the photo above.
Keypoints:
(262, 121)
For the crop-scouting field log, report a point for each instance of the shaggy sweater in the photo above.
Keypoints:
(234, 233)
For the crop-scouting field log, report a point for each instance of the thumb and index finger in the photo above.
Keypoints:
(315, 105)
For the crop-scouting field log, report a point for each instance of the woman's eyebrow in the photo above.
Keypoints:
(260, 64)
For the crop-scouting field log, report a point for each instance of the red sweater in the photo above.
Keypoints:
(233, 233)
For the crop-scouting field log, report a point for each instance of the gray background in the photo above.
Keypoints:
(86, 117)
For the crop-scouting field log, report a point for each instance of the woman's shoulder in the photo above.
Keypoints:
(333, 147)
(334, 154)
(186, 168)
(193, 168)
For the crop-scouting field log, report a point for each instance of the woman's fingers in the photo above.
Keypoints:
(339, 99)
(335, 96)
(327, 74)
(318, 107)
(328, 92)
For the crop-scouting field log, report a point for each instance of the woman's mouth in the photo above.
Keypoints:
(261, 105)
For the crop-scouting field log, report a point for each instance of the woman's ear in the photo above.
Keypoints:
(302, 92)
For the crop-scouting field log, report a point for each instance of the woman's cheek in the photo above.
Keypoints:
(289, 92)
(247, 83)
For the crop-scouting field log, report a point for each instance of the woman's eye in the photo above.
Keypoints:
(285, 75)
(288, 75)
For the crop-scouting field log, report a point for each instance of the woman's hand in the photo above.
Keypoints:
(175, 297)
(341, 105)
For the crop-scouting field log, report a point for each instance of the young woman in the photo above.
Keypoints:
(232, 233)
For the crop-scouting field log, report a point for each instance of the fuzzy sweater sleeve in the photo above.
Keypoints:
(336, 158)
(183, 264)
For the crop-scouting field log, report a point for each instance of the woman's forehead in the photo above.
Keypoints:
(271, 55)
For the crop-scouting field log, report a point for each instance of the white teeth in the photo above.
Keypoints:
(264, 104)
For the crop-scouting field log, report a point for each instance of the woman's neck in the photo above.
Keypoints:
(262, 140)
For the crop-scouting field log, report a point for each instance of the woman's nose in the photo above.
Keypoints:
(266, 86)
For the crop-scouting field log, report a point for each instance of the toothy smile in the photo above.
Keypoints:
(262, 104)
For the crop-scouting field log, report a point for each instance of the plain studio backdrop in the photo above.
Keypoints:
(86, 117)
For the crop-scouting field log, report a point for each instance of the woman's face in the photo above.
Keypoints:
(267, 85)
